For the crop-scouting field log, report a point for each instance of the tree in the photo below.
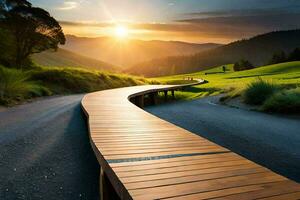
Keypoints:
(278, 57)
(33, 29)
(294, 55)
(243, 65)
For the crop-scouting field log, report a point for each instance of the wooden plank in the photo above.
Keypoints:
(131, 179)
(245, 191)
(203, 186)
(276, 190)
(190, 179)
(182, 168)
(291, 196)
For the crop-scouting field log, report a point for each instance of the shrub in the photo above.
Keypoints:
(243, 65)
(15, 85)
(286, 101)
(257, 92)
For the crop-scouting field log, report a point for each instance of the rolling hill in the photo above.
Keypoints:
(126, 53)
(65, 58)
(287, 75)
(257, 50)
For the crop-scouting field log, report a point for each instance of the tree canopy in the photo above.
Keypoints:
(278, 57)
(33, 30)
(294, 55)
(242, 65)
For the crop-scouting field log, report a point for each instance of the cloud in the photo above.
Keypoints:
(213, 29)
(245, 12)
(69, 5)
(85, 23)
(275, 21)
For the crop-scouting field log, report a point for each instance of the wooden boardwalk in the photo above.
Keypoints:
(144, 157)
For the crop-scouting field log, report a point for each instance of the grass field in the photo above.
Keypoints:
(233, 83)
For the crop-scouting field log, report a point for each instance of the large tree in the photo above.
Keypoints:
(32, 28)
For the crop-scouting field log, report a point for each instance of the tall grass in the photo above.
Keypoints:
(15, 85)
(272, 98)
(257, 92)
(285, 101)
(74, 80)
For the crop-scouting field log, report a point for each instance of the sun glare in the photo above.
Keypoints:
(121, 31)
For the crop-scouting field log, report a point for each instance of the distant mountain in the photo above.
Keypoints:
(65, 58)
(126, 53)
(257, 50)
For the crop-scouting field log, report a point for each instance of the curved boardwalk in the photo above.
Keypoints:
(144, 157)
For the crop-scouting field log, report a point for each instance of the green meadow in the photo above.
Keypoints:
(285, 76)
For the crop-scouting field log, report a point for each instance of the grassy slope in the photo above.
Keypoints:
(65, 58)
(17, 86)
(286, 74)
(74, 80)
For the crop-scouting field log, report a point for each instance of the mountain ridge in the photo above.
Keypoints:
(258, 50)
(128, 52)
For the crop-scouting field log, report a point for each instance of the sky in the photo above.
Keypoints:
(199, 21)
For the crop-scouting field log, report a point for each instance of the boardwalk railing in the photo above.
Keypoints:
(144, 157)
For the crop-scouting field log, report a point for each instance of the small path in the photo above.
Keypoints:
(272, 141)
(45, 152)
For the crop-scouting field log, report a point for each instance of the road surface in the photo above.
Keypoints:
(272, 141)
(45, 152)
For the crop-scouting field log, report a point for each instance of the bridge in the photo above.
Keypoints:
(144, 157)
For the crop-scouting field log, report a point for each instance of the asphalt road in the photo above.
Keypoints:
(272, 141)
(45, 152)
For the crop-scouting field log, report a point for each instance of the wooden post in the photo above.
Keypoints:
(107, 192)
(153, 98)
(140, 101)
(166, 95)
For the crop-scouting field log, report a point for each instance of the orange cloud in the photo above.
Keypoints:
(214, 29)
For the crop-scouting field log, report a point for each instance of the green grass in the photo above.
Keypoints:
(257, 92)
(233, 83)
(285, 101)
(72, 80)
(17, 86)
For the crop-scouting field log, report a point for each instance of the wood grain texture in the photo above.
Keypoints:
(145, 157)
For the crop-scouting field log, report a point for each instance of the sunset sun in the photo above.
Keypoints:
(121, 31)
